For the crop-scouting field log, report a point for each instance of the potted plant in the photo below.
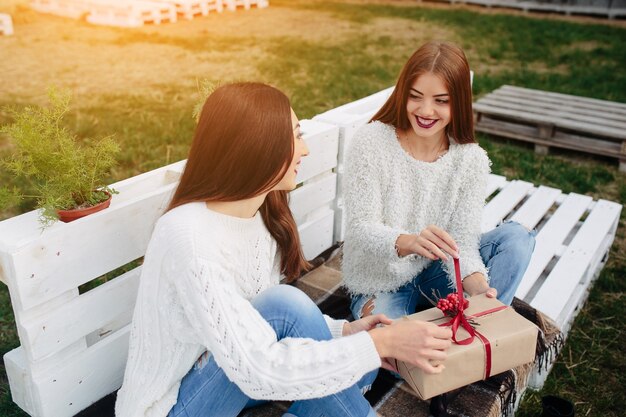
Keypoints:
(63, 174)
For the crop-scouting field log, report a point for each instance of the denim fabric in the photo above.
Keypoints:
(206, 390)
(506, 252)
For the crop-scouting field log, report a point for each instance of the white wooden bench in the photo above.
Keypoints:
(6, 24)
(73, 346)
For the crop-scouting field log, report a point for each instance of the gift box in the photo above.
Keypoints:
(503, 340)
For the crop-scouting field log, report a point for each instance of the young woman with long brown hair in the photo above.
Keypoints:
(213, 332)
(415, 189)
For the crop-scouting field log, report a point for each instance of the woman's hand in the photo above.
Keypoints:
(365, 324)
(476, 283)
(417, 342)
(432, 243)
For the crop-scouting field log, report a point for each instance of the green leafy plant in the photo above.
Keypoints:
(61, 173)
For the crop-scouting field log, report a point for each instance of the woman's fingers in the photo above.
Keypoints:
(442, 240)
(431, 248)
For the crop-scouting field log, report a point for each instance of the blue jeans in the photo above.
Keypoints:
(206, 390)
(505, 250)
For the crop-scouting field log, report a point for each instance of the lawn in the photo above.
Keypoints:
(142, 85)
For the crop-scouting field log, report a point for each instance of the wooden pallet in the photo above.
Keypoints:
(190, 8)
(555, 120)
(129, 13)
(75, 9)
(617, 8)
(6, 24)
(246, 4)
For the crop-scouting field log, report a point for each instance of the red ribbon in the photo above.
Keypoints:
(460, 320)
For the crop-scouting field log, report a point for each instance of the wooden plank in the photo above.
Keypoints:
(88, 377)
(322, 140)
(561, 113)
(311, 196)
(536, 207)
(561, 140)
(20, 382)
(608, 109)
(317, 235)
(555, 292)
(551, 237)
(59, 328)
(495, 182)
(503, 203)
(529, 117)
(560, 97)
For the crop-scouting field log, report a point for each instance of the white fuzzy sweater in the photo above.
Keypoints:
(200, 272)
(388, 193)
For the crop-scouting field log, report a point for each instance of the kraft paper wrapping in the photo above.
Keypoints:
(513, 340)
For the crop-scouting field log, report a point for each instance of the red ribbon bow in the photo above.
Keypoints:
(460, 320)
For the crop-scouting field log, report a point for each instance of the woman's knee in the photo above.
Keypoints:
(517, 237)
(285, 298)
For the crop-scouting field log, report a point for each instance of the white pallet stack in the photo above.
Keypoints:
(129, 13)
(190, 8)
(246, 4)
(74, 346)
(6, 24)
(74, 9)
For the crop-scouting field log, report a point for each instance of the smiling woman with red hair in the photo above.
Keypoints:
(213, 332)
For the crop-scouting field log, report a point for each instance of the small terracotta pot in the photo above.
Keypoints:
(67, 216)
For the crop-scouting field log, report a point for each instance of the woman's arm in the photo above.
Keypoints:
(246, 348)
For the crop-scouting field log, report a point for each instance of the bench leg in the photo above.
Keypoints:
(542, 149)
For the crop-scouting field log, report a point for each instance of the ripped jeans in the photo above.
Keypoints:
(206, 390)
(505, 251)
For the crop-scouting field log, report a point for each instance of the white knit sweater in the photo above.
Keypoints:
(200, 272)
(388, 193)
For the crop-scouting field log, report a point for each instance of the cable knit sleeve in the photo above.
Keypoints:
(466, 220)
(364, 193)
(246, 348)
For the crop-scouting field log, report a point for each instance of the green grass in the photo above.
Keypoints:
(154, 127)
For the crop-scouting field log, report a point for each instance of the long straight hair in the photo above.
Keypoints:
(242, 147)
(447, 61)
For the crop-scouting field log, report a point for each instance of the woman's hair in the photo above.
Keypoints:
(242, 147)
(449, 63)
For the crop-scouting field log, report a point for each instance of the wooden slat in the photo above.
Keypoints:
(317, 235)
(312, 195)
(537, 205)
(60, 328)
(560, 139)
(567, 273)
(561, 114)
(560, 96)
(502, 204)
(607, 109)
(322, 140)
(495, 182)
(551, 237)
